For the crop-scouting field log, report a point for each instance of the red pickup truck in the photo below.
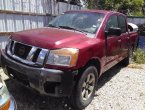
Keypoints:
(66, 58)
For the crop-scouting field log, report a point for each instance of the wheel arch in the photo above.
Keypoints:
(92, 62)
(96, 63)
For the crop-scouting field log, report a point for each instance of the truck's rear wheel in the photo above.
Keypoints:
(84, 92)
(129, 58)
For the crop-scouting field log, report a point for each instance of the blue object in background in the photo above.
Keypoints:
(141, 43)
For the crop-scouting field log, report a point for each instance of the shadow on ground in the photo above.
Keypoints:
(107, 76)
(28, 100)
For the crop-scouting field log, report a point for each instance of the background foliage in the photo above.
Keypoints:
(139, 56)
(129, 7)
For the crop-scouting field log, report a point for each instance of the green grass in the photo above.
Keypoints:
(137, 13)
(139, 56)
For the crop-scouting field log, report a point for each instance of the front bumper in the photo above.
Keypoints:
(46, 81)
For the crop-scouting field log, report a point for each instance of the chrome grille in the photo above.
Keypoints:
(22, 51)
(27, 54)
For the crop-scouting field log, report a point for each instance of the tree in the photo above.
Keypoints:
(133, 6)
(92, 4)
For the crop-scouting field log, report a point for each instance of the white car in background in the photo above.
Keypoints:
(7, 102)
(132, 27)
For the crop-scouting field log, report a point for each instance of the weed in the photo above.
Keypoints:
(139, 56)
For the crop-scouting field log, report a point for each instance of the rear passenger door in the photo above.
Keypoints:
(124, 36)
(113, 42)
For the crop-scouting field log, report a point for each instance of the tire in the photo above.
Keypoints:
(129, 58)
(125, 62)
(85, 88)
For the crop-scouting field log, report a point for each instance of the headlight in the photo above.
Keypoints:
(63, 57)
(6, 106)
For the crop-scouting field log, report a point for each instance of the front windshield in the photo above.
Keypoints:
(88, 22)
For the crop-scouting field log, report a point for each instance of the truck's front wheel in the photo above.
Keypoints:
(84, 92)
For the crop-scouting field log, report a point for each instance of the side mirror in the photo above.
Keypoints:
(113, 31)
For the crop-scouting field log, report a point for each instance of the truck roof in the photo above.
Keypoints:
(97, 11)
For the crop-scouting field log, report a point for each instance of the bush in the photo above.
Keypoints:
(139, 56)
(137, 13)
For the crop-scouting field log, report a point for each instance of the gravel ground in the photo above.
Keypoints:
(118, 89)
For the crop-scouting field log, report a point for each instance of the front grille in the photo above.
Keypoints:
(22, 50)
(27, 54)
(36, 55)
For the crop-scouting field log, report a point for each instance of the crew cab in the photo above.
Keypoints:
(66, 58)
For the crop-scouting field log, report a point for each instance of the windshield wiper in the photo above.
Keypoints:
(66, 27)
(71, 28)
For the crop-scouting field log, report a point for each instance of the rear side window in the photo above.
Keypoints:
(122, 24)
(112, 22)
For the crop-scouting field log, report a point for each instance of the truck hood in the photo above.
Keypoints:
(50, 38)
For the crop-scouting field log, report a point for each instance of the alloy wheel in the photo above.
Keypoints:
(88, 86)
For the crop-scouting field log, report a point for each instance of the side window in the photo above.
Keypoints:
(122, 24)
(112, 22)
